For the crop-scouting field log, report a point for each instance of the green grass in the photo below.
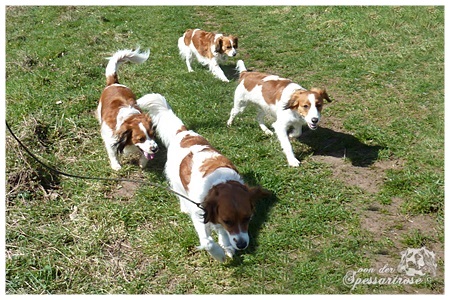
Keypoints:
(383, 68)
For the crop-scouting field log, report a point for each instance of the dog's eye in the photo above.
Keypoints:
(305, 106)
(228, 222)
(142, 139)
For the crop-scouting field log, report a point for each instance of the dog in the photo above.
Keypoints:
(291, 105)
(209, 48)
(198, 171)
(123, 125)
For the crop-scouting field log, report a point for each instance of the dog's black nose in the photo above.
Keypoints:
(154, 148)
(241, 244)
(315, 120)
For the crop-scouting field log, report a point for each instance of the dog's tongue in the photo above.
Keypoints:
(149, 156)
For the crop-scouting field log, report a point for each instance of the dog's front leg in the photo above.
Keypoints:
(112, 155)
(113, 159)
(109, 142)
(206, 241)
(224, 241)
(217, 71)
(280, 130)
(296, 131)
(143, 161)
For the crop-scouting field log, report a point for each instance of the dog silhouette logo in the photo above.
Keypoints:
(417, 262)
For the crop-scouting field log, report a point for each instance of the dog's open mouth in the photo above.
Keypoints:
(148, 155)
(312, 126)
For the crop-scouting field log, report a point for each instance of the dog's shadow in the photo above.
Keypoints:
(155, 166)
(327, 142)
(324, 142)
(229, 69)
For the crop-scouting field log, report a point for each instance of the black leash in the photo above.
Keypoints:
(96, 178)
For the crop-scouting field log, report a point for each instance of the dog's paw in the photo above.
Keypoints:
(218, 253)
(294, 135)
(229, 251)
(293, 162)
(143, 162)
(268, 132)
(214, 249)
(116, 167)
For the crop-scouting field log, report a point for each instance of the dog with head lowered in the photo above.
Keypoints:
(292, 105)
(123, 125)
(200, 172)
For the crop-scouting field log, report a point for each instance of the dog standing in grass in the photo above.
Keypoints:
(198, 171)
(123, 125)
(209, 48)
(291, 105)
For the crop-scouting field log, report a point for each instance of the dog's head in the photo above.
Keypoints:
(227, 45)
(231, 204)
(417, 262)
(309, 105)
(137, 130)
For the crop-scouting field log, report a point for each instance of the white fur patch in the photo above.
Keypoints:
(124, 113)
(272, 77)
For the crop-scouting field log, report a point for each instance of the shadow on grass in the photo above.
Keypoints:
(156, 166)
(327, 142)
(229, 69)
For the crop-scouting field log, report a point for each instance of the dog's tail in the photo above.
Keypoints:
(120, 57)
(166, 122)
(240, 66)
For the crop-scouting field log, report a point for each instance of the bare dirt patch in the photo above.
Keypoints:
(356, 165)
(369, 179)
(391, 228)
(125, 190)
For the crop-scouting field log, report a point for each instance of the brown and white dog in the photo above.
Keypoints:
(291, 105)
(197, 170)
(123, 125)
(209, 48)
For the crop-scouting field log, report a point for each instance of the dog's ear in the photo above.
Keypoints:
(210, 207)
(292, 103)
(123, 136)
(235, 42)
(219, 43)
(322, 92)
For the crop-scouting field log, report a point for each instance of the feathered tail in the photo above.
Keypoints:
(240, 66)
(120, 57)
(166, 122)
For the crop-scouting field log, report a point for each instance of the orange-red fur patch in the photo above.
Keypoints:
(113, 99)
(271, 90)
(191, 140)
(186, 170)
(213, 163)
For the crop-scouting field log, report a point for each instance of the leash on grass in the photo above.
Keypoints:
(56, 171)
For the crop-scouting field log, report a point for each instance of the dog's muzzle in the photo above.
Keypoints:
(150, 155)
(313, 125)
(241, 244)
